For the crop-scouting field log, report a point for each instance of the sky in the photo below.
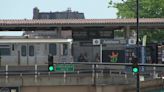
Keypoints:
(23, 9)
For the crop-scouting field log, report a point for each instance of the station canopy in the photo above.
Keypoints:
(73, 24)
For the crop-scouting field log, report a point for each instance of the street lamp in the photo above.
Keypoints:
(137, 16)
(137, 42)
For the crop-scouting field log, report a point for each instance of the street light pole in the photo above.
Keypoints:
(137, 16)
(137, 42)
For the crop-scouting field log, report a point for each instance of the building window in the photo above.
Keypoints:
(52, 49)
(23, 50)
(5, 50)
(65, 49)
(31, 50)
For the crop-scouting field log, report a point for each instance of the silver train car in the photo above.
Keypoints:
(27, 51)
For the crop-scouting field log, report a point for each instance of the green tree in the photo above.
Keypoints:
(147, 9)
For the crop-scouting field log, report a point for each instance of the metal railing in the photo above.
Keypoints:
(99, 73)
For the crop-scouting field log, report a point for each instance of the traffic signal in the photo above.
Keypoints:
(135, 67)
(50, 63)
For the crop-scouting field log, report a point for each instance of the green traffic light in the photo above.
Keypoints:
(135, 70)
(51, 68)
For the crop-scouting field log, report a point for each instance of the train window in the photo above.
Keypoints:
(31, 50)
(5, 51)
(23, 50)
(65, 49)
(52, 49)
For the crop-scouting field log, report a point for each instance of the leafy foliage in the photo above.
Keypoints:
(147, 9)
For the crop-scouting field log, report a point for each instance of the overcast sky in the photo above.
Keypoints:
(23, 9)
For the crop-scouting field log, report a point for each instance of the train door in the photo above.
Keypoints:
(27, 54)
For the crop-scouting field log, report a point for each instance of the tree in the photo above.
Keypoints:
(147, 9)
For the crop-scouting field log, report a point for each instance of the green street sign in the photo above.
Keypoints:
(65, 67)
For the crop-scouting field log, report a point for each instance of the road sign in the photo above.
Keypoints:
(65, 67)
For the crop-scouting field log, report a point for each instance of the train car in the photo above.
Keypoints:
(31, 51)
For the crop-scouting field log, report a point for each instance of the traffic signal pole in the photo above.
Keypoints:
(136, 71)
(137, 16)
(138, 82)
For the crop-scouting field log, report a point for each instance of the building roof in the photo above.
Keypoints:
(81, 22)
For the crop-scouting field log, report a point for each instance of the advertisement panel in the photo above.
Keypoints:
(114, 56)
